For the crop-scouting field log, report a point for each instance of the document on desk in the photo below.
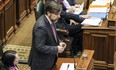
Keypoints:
(100, 3)
(98, 15)
(80, 9)
(92, 22)
(67, 66)
(100, 10)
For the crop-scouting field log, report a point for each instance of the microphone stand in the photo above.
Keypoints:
(73, 56)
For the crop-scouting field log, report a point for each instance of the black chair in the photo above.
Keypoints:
(1, 64)
(1, 50)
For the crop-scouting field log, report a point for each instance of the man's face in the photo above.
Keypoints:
(54, 17)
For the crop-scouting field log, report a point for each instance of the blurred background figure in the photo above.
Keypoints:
(10, 60)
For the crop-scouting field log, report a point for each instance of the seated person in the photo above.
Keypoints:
(70, 6)
(75, 30)
(10, 60)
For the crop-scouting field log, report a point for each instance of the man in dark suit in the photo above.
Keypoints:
(45, 42)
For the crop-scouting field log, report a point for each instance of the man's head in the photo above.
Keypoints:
(53, 10)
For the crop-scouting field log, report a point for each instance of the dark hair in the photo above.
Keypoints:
(8, 58)
(52, 7)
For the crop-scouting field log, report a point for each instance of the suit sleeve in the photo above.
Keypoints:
(75, 17)
(40, 37)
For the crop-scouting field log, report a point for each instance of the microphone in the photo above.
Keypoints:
(73, 58)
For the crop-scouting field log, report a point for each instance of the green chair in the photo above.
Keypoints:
(39, 9)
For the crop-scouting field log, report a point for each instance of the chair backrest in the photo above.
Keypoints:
(1, 50)
(39, 9)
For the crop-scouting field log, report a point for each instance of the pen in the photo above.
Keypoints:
(68, 66)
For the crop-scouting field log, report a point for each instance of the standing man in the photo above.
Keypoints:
(45, 42)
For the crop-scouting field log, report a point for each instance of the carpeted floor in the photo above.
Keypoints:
(23, 67)
(23, 35)
(21, 41)
(23, 52)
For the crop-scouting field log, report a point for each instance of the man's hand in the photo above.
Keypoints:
(61, 47)
(63, 44)
(73, 22)
(77, 5)
(71, 9)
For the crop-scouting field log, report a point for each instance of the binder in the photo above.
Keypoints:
(102, 15)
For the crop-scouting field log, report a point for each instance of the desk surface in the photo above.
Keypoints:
(64, 60)
(80, 63)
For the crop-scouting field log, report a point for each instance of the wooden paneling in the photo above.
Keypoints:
(32, 3)
(86, 40)
(1, 23)
(103, 42)
(102, 39)
(22, 10)
(10, 18)
(7, 19)
(99, 42)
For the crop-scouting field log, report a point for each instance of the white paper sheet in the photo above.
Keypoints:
(80, 9)
(92, 22)
(99, 3)
(102, 10)
(67, 66)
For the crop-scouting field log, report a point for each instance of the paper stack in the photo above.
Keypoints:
(99, 9)
(92, 22)
(98, 12)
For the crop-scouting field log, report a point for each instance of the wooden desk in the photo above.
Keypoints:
(85, 65)
(102, 39)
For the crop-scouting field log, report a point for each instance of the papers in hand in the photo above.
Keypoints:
(92, 22)
(67, 66)
(80, 9)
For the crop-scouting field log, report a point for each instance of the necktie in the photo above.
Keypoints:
(54, 31)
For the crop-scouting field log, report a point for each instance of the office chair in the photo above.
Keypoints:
(1, 50)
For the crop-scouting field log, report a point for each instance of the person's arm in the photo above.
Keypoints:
(74, 17)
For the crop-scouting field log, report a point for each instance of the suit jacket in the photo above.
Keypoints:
(43, 54)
